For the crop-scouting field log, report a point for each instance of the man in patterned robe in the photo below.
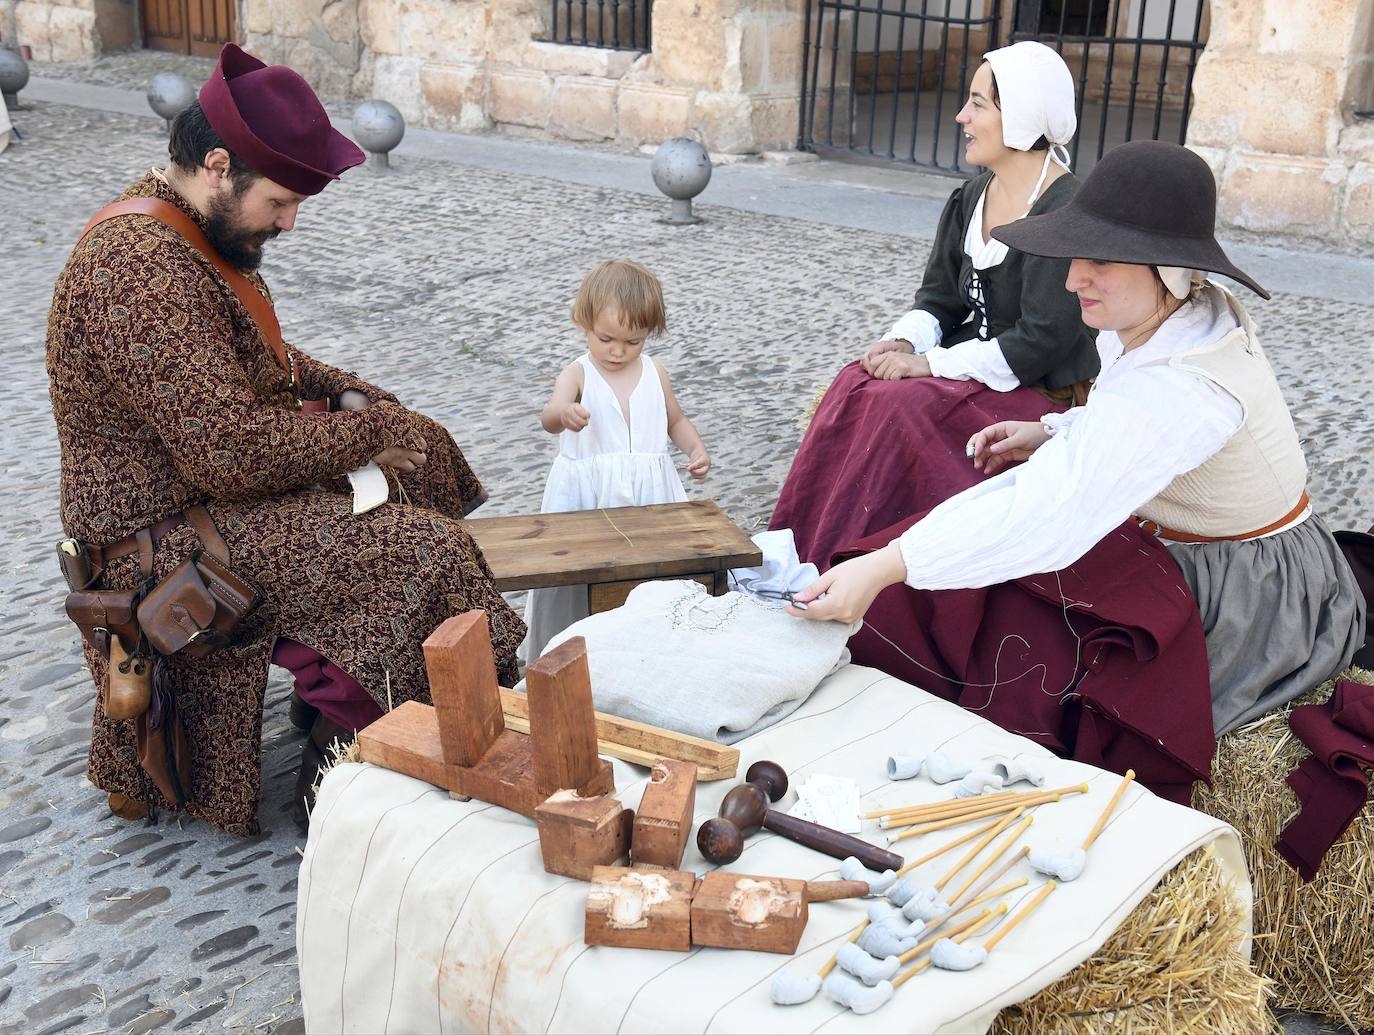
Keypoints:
(166, 394)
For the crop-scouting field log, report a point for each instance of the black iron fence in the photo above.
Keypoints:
(614, 24)
(885, 78)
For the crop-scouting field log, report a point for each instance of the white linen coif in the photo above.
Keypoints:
(612, 462)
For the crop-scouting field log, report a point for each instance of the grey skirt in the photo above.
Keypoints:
(1280, 614)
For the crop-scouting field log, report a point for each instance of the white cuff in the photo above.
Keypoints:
(919, 328)
(1054, 423)
(974, 360)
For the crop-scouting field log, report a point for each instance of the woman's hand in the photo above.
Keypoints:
(698, 464)
(352, 399)
(875, 352)
(1007, 442)
(574, 416)
(893, 366)
(400, 459)
(849, 588)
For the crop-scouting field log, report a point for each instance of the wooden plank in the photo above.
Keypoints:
(462, 683)
(561, 723)
(406, 740)
(639, 909)
(578, 834)
(639, 742)
(607, 596)
(665, 815)
(739, 911)
(666, 540)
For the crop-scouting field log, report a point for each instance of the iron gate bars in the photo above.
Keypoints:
(847, 104)
(1146, 32)
(613, 24)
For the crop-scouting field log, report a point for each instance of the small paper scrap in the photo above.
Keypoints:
(831, 801)
(370, 488)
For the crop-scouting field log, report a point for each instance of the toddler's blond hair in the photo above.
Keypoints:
(627, 286)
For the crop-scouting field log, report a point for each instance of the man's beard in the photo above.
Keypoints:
(240, 248)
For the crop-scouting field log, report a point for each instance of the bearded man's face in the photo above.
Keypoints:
(245, 215)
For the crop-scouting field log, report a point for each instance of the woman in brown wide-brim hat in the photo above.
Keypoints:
(1185, 434)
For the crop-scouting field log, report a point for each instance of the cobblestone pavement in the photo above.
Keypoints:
(450, 286)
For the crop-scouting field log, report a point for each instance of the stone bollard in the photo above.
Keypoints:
(681, 170)
(169, 94)
(378, 127)
(14, 76)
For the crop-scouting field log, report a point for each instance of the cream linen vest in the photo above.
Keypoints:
(1259, 475)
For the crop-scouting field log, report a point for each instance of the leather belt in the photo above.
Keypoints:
(103, 555)
(1161, 532)
(146, 538)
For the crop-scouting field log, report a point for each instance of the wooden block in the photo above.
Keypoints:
(664, 821)
(406, 740)
(562, 725)
(505, 777)
(639, 742)
(606, 596)
(577, 834)
(640, 909)
(462, 683)
(738, 911)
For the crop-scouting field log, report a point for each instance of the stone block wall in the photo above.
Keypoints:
(72, 30)
(727, 72)
(1273, 113)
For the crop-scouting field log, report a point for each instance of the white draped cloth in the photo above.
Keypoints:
(420, 913)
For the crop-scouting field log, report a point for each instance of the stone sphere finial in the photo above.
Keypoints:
(14, 76)
(681, 170)
(378, 127)
(169, 95)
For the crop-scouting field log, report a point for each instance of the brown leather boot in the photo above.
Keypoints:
(314, 757)
(127, 808)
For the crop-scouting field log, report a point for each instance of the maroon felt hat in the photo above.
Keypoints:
(270, 118)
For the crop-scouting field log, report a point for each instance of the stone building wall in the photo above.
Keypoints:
(724, 71)
(1273, 112)
(70, 30)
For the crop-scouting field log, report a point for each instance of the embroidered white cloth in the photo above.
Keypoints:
(716, 667)
(419, 913)
(781, 571)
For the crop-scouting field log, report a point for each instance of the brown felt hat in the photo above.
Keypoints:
(1147, 202)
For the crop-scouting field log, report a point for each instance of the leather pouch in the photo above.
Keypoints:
(128, 683)
(178, 611)
(99, 612)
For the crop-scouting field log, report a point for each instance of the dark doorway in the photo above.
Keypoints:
(198, 27)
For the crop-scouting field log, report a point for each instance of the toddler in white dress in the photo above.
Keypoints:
(614, 413)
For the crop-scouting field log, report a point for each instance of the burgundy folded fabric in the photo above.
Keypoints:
(1104, 662)
(323, 685)
(1330, 783)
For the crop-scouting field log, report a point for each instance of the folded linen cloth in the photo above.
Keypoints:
(1330, 783)
(781, 571)
(714, 667)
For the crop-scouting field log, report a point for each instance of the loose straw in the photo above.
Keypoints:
(1111, 807)
(1012, 837)
(1029, 908)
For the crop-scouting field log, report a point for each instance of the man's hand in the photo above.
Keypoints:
(574, 417)
(1007, 442)
(698, 464)
(893, 366)
(400, 459)
(352, 399)
(849, 588)
(875, 352)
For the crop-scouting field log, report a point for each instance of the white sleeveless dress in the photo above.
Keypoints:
(611, 462)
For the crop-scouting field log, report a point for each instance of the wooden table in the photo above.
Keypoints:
(611, 551)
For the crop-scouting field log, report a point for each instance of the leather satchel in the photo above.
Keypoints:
(101, 613)
(197, 607)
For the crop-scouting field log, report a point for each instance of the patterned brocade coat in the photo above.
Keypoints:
(165, 395)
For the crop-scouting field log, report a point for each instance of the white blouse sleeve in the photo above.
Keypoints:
(1124, 447)
(920, 328)
(974, 360)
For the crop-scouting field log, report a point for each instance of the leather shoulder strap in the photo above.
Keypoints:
(169, 215)
(210, 538)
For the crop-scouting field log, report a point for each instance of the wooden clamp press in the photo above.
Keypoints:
(462, 743)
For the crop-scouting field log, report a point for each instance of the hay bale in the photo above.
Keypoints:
(1314, 941)
(1173, 965)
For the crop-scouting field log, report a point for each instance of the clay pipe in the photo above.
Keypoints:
(745, 809)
